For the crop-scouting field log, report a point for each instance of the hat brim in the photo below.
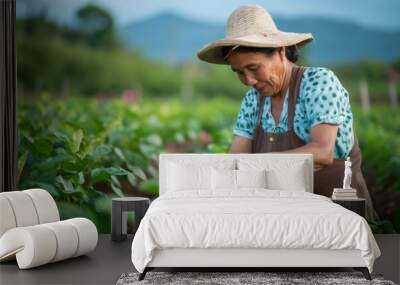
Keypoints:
(212, 52)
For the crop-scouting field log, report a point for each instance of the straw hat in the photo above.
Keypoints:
(251, 26)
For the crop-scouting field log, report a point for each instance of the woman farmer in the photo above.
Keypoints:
(288, 108)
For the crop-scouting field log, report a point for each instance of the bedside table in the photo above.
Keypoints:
(120, 207)
(356, 205)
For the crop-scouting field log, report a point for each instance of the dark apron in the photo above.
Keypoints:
(328, 177)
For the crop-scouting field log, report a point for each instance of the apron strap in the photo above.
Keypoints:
(261, 101)
(294, 89)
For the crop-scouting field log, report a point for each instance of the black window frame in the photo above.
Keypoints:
(8, 98)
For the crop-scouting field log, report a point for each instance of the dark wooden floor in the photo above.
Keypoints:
(111, 259)
(103, 266)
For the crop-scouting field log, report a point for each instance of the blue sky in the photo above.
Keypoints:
(379, 14)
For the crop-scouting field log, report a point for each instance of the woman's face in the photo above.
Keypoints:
(266, 73)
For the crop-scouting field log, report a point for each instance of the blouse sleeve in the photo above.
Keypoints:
(326, 99)
(247, 117)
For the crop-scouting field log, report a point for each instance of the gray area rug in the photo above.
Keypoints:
(231, 278)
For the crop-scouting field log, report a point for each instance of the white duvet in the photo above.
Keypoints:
(251, 218)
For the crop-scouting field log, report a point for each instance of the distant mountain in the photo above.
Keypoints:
(173, 38)
(170, 37)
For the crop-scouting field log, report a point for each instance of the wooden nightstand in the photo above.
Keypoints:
(355, 205)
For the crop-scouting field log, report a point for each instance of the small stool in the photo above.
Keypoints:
(120, 207)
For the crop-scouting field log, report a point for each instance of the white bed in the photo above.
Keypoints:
(247, 210)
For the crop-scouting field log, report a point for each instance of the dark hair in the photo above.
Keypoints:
(291, 52)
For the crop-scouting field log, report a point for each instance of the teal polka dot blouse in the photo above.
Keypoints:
(321, 99)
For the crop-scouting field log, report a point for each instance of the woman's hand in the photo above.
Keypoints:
(321, 146)
(318, 167)
(240, 145)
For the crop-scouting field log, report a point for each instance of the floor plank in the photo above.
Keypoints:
(388, 263)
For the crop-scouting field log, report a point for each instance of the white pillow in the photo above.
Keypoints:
(283, 174)
(181, 177)
(227, 179)
(193, 173)
(223, 179)
(293, 180)
(251, 178)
